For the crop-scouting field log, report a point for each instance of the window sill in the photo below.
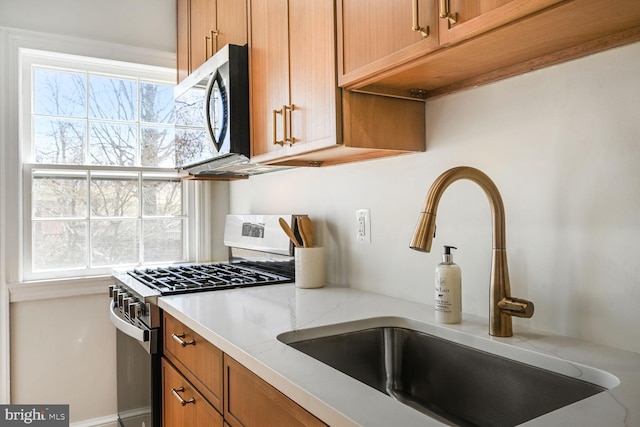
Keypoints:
(59, 288)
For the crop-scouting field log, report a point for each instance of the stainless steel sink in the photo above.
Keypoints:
(457, 384)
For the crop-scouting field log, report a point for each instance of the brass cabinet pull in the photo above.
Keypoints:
(214, 37)
(183, 402)
(182, 342)
(287, 124)
(275, 123)
(444, 12)
(416, 23)
(286, 131)
(206, 47)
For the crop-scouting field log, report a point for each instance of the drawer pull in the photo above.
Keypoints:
(183, 402)
(182, 342)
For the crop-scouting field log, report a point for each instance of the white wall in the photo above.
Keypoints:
(562, 145)
(144, 23)
(63, 352)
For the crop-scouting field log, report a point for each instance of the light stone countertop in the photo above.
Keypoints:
(245, 323)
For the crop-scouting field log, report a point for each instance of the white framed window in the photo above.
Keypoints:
(99, 185)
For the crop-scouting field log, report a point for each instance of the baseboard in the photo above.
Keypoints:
(108, 421)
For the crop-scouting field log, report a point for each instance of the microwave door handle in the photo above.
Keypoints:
(127, 328)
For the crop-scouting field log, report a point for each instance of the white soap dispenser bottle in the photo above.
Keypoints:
(448, 296)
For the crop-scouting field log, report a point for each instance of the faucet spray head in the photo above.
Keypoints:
(424, 233)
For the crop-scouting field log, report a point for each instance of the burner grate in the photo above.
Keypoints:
(205, 277)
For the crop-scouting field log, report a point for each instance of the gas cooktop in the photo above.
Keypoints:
(186, 278)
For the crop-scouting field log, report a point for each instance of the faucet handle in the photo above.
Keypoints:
(516, 307)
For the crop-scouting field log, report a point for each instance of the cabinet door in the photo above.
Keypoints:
(198, 360)
(313, 82)
(376, 34)
(202, 31)
(268, 73)
(183, 63)
(251, 402)
(231, 25)
(182, 405)
(473, 17)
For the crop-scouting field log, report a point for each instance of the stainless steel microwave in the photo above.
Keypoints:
(212, 115)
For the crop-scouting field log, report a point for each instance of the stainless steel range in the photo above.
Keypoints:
(259, 254)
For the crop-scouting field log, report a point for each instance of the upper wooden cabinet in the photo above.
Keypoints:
(292, 76)
(299, 116)
(372, 33)
(462, 19)
(205, 26)
(478, 41)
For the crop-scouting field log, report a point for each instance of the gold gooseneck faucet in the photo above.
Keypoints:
(501, 304)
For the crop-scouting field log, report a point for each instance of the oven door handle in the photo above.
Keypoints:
(127, 328)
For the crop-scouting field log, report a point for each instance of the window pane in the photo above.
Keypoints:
(114, 242)
(192, 146)
(158, 147)
(59, 141)
(163, 240)
(113, 144)
(59, 93)
(156, 103)
(59, 197)
(162, 197)
(190, 108)
(114, 197)
(113, 99)
(59, 244)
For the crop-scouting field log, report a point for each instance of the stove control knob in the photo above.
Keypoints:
(121, 296)
(125, 304)
(114, 294)
(111, 289)
(134, 310)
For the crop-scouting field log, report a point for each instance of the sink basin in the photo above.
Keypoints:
(454, 383)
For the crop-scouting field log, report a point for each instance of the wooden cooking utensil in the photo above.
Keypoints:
(289, 232)
(305, 227)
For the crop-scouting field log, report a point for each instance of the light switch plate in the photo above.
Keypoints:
(363, 225)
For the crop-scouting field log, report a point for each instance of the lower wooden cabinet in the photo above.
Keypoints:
(182, 404)
(199, 361)
(199, 382)
(251, 402)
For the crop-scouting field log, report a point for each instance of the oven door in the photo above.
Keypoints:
(138, 373)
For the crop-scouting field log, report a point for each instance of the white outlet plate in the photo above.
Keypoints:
(363, 225)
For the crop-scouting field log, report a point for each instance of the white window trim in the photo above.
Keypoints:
(28, 59)
(5, 382)
(14, 42)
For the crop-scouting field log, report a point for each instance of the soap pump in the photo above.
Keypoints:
(448, 289)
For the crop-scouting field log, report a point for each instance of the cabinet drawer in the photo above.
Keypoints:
(198, 360)
(251, 402)
(182, 405)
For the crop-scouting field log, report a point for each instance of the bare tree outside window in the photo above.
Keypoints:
(118, 213)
